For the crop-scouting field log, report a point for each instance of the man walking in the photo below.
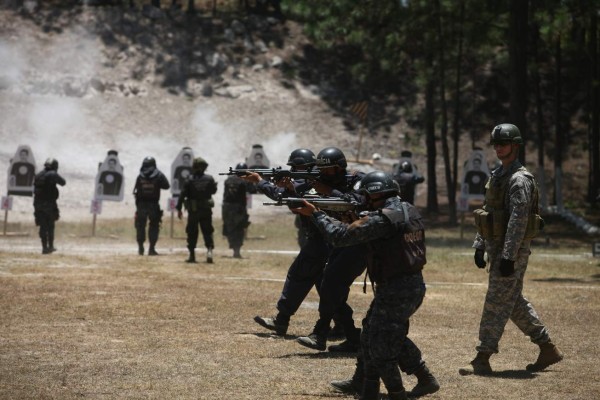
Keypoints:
(506, 225)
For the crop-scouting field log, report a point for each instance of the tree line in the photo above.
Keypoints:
(470, 64)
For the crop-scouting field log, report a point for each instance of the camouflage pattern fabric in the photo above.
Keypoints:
(504, 299)
(384, 339)
(385, 328)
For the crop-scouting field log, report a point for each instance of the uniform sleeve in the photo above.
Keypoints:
(366, 229)
(164, 182)
(213, 187)
(519, 205)
(59, 179)
(270, 190)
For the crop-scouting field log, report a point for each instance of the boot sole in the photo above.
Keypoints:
(538, 368)
(424, 391)
(262, 323)
(311, 345)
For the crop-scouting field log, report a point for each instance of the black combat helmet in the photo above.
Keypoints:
(330, 157)
(241, 166)
(51, 164)
(378, 182)
(506, 133)
(149, 162)
(302, 158)
(406, 166)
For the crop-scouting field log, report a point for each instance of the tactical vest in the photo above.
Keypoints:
(199, 193)
(234, 191)
(492, 220)
(44, 188)
(404, 252)
(147, 189)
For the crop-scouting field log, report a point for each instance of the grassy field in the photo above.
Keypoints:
(95, 320)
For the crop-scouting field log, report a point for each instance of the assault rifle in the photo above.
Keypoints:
(275, 173)
(338, 204)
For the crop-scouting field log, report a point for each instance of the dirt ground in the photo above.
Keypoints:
(95, 320)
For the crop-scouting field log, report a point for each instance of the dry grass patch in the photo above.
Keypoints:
(106, 323)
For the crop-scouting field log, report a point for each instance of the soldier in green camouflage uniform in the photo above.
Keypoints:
(197, 196)
(506, 224)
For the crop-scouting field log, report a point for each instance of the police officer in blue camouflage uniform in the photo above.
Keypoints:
(344, 265)
(505, 227)
(197, 196)
(307, 268)
(45, 194)
(147, 189)
(394, 235)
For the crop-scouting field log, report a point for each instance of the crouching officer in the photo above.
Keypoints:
(197, 196)
(45, 194)
(147, 189)
(394, 233)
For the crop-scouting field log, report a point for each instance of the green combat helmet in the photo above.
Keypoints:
(199, 165)
(506, 133)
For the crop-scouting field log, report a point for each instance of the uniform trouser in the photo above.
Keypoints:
(235, 221)
(344, 265)
(304, 273)
(151, 213)
(384, 342)
(202, 218)
(504, 300)
(46, 222)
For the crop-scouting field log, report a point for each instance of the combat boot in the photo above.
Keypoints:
(140, 249)
(317, 340)
(51, 247)
(549, 354)
(479, 366)
(314, 341)
(192, 257)
(370, 390)
(45, 249)
(353, 385)
(398, 395)
(336, 333)
(427, 384)
(350, 345)
(209, 255)
(152, 251)
(236, 252)
(277, 324)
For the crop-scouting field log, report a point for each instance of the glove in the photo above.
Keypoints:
(479, 260)
(507, 267)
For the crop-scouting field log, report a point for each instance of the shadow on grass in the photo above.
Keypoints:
(513, 374)
(319, 355)
(594, 278)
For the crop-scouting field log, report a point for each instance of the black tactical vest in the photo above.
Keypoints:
(44, 188)
(402, 253)
(147, 189)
